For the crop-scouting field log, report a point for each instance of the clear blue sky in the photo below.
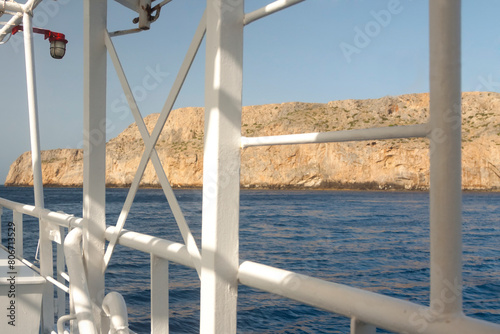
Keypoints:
(312, 52)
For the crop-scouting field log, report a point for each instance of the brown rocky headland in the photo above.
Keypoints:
(388, 164)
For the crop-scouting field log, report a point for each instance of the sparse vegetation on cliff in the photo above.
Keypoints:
(391, 164)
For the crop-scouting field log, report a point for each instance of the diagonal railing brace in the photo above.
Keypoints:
(150, 151)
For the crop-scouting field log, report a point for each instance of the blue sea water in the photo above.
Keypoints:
(377, 241)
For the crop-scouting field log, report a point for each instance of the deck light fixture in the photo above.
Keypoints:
(57, 40)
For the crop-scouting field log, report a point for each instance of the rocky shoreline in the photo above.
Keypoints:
(399, 164)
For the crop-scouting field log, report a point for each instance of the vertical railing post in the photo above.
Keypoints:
(60, 264)
(221, 166)
(359, 327)
(1, 213)
(94, 159)
(445, 158)
(17, 218)
(159, 295)
(36, 163)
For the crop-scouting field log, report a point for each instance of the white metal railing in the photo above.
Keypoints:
(376, 309)
(219, 264)
(23, 13)
(268, 10)
(383, 311)
(371, 308)
(393, 132)
(113, 303)
(17, 11)
(150, 142)
(48, 219)
(57, 218)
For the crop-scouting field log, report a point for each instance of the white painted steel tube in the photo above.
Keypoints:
(18, 17)
(61, 219)
(159, 295)
(30, 5)
(144, 17)
(162, 177)
(36, 163)
(151, 142)
(94, 150)
(408, 131)
(8, 6)
(79, 291)
(115, 308)
(165, 249)
(7, 28)
(60, 268)
(58, 284)
(445, 156)
(62, 320)
(359, 327)
(130, 4)
(221, 167)
(269, 9)
(384, 312)
(36, 159)
(19, 242)
(124, 32)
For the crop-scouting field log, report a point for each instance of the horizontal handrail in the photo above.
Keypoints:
(58, 218)
(330, 296)
(269, 9)
(50, 279)
(382, 311)
(163, 248)
(377, 309)
(391, 132)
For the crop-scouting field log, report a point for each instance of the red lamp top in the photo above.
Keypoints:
(52, 36)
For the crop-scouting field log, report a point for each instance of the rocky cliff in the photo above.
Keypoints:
(388, 164)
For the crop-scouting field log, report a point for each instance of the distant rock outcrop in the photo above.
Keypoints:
(388, 164)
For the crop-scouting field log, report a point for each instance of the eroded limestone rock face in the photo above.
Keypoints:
(61, 167)
(389, 164)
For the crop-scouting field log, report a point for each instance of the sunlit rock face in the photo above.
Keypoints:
(388, 164)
